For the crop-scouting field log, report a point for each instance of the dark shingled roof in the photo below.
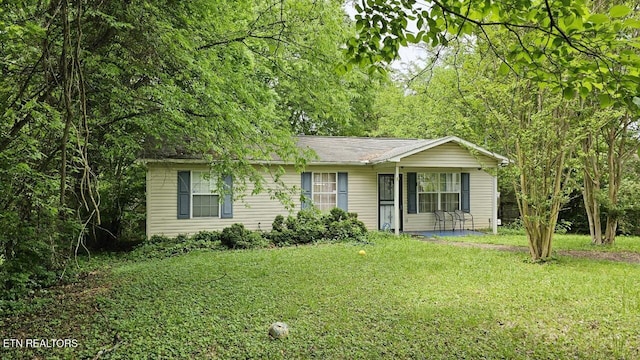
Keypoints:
(338, 149)
(348, 150)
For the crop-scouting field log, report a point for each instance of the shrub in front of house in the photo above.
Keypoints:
(342, 225)
(237, 236)
(311, 225)
(307, 226)
(280, 235)
(159, 246)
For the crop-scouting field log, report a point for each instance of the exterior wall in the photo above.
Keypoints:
(254, 211)
(481, 192)
(446, 156)
(258, 211)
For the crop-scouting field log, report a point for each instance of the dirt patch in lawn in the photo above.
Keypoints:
(619, 256)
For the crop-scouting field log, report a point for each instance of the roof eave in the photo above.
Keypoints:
(254, 162)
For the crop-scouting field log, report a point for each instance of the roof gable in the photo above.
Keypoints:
(354, 150)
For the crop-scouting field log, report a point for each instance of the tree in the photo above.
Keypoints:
(533, 127)
(610, 143)
(87, 87)
(608, 146)
(556, 45)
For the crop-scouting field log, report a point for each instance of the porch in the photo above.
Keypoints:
(444, 233)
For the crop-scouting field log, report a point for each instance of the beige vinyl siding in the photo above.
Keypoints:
(258, 211)
(448, 155)
(481, 190)
(254, 211)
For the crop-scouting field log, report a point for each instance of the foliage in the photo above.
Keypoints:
(162, 246)
(404, 299)
(628, 199)
(569, 46)
(237, 237)
(341, 225)
(88, 87)
(307, 226)
(400, 107)
(559, 50)
(311, 225)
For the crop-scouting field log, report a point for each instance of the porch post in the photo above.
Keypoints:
(494, 205)
(396, 200)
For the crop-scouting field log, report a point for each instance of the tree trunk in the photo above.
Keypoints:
(610, 231)
(615, 161)
(592, 207)
(591, 189)
(540, 241)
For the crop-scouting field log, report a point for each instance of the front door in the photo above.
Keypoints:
(386, 196)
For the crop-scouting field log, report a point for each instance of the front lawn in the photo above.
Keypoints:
(403, 299)
(560, 242)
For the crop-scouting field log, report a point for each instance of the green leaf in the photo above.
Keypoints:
(568, 93)
(410, 38)
(636, 100)
(598, 19)
(605, 100)
(619, 11)
(632, 23)
(503, 69)
(568, 20)
(584, 92)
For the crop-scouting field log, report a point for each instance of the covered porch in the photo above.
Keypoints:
(449, 188)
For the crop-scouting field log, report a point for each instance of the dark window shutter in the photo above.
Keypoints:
(305, 183)
(227, 202)
(343, 191)
(184, 194)
(412, 188)
(465, 201)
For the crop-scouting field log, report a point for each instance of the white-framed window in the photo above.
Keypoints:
(438, 191)
(325, 190)
(204, 201)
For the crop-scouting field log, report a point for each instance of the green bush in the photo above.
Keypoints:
(206, 236)
(159, 239)
(311, 225)
(278, 223)
(159, 246)
(307, 226)
(344, 226)
(237, 237)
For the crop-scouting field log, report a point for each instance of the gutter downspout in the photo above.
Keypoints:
(494, 205)
(396, 201)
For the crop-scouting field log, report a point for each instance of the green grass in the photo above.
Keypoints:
(560, 242)
(403, 299)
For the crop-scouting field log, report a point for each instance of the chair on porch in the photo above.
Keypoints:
(441, 220)
(462, 217)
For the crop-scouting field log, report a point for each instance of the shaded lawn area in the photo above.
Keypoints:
(403, 299)
(560, 242)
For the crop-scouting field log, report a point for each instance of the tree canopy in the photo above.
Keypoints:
(552, 62)
(88, 87)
